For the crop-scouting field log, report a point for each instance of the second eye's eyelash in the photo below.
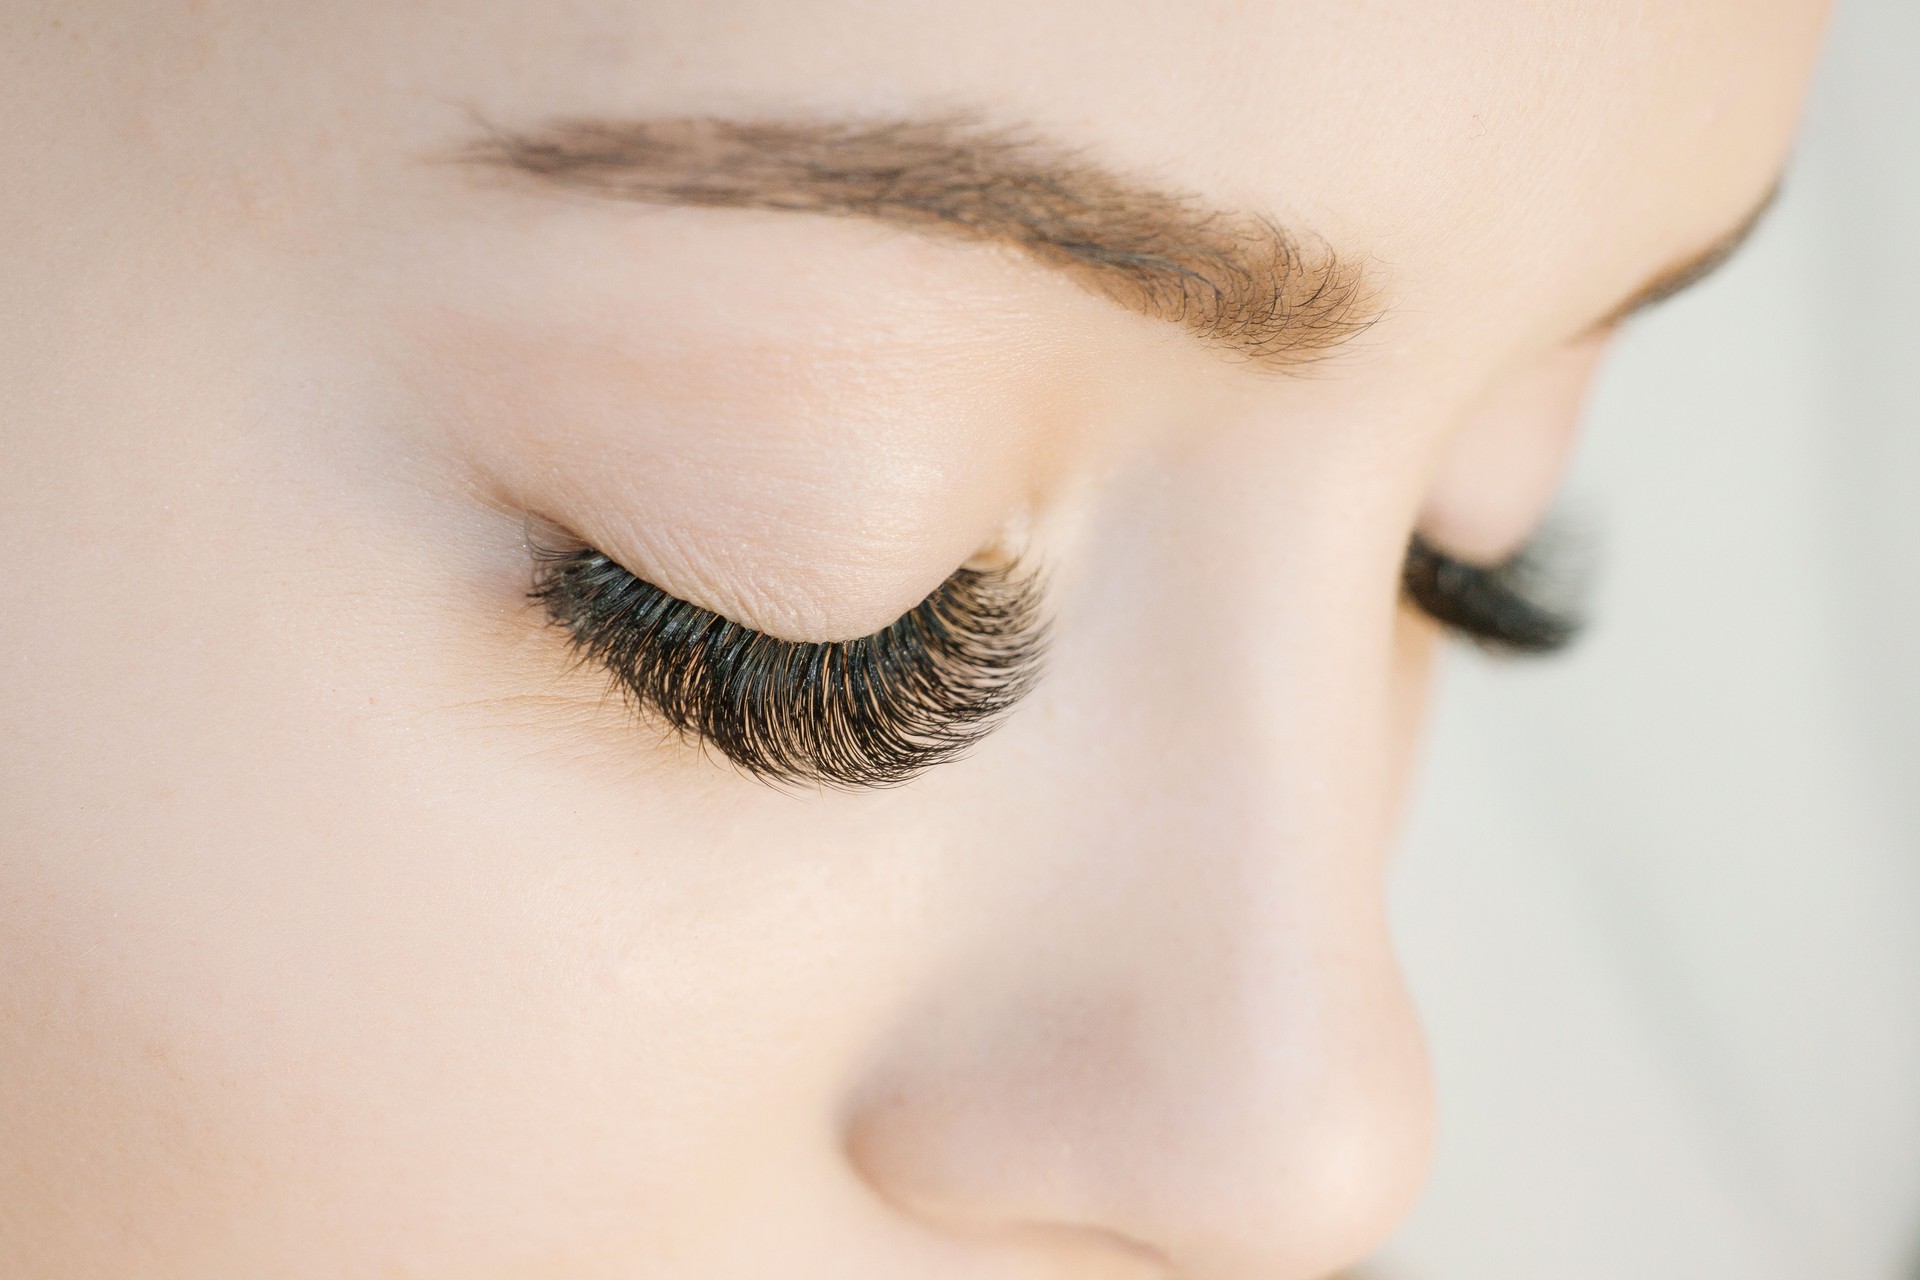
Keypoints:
(1516, 607)
(871, 712)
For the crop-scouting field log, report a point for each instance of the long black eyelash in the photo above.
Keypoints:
(1516, 607)
(871, 712)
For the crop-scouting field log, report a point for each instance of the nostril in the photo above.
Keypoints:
(889, 1151)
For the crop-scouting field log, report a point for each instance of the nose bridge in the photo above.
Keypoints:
(1184, 1027)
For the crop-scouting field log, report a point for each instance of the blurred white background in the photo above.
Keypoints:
(1661, 899)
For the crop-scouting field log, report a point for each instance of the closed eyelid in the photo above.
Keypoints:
(872, 712)
(1522, 606)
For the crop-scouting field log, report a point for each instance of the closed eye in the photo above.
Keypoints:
(871, 712)
(1515, 607)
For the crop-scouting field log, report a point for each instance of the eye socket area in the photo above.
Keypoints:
(878, 709)
(1480, 563)
(1502, 468)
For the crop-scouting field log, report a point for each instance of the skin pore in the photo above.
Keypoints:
(348, 927)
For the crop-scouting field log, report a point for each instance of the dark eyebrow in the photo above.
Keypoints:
(1237, 281)
(1689, 272)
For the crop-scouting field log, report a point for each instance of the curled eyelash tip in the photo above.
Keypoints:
(1525, 606)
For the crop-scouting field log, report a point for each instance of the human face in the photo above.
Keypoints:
(351, 929)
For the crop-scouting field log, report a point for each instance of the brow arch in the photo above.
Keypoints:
(1237, 281)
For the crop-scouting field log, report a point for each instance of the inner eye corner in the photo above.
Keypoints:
(992, 560)
(1008, 551)
(546, 539)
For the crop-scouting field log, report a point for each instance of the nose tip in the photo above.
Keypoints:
(1273, 1128)
(1320, 1179)
(1301, 1133)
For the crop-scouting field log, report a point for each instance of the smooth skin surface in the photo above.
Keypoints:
(346, 930)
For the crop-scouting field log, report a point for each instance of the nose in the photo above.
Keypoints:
(1248, 1102)
(1176, 1038)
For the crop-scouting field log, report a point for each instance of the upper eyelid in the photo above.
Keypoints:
(549, 548)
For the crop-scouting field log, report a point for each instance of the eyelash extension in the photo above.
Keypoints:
(871, 712)
(1515, 607)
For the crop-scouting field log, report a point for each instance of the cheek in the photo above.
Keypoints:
(303, 892)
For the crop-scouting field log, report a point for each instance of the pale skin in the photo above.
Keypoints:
(347, 930)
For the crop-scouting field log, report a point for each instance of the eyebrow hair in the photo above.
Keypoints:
(1684, 275)
(1237, 281)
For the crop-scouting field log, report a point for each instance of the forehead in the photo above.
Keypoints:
(1505, 171)
(1519, 152)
